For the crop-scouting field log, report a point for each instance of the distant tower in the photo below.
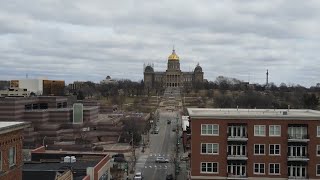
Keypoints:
(267, 78)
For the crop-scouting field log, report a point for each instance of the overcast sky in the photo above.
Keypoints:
(88, 40)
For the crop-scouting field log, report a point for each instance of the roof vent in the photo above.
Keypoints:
(285, 113)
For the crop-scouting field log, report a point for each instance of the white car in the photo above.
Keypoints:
(162, 160)
(138, 176)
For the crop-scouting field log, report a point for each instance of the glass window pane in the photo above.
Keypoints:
(209, 148)
(209, 129)
(204, 129)
(209, 167)
(261, 168)
(203, 148)
(203, 167)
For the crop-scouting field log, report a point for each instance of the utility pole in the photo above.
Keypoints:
(133, 153)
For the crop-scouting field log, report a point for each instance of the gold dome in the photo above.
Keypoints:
(173, 56)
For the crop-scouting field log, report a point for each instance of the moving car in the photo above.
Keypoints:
(155, 131)
(138, 176)
(162, 160)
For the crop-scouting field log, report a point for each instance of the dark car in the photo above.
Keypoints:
(119, 159)
(168, 121)
(169, 177)
(118, 155)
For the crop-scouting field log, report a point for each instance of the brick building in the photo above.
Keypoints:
(255, 144)
(51, 117)
(11, 136)
(48, 164)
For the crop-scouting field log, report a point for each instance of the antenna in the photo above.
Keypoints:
(267, 78)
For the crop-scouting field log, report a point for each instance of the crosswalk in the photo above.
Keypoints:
(157, 154)
(148, 162)
(152, 166)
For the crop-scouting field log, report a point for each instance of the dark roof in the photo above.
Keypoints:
(47, 166)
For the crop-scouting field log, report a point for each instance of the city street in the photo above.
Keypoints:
(162, 144)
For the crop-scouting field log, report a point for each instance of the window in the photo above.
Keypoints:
(297, 171)
(318, 150)
(318, 169)
(297, 132)
(259, 149)
(209, 148)
(237, 131)
(12, 156)
(237, 168)
(259, 130)
(258, 168)
(237, 150)
(274, 149)
(297, 151)
(210, 129)
(318, 131)
(209, 167)
(274, 168)
(274, 130)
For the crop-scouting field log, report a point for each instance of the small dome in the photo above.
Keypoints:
(148, 69)
(198, 68)
(173, 56)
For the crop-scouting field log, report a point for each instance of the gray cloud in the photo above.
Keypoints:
(88, 40)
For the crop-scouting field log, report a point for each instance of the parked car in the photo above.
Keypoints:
(162, 160)
(118, 155)
(168, 121)
(155, 131)
(169, 177)
(119, 159)
(138, 176)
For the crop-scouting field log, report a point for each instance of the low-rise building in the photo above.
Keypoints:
(14, 92)
(11, 160)
(255, 143)
(67, 165)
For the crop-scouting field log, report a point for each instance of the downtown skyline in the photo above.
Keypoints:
(86, 41)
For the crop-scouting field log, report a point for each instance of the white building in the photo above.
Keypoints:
(32, 85)
(108, 80)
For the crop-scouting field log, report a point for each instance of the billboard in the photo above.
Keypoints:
(77, 113)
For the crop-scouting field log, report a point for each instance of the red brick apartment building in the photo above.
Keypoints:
(255, 144)
(11, 136)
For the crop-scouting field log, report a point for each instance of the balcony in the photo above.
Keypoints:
(238, 138)
(297, 178)
(237, 157)
(233, 176)
(302, 158)
(298, 138)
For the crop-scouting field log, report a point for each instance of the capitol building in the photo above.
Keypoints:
(173, 76)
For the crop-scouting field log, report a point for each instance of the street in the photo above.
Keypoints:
(162, 144)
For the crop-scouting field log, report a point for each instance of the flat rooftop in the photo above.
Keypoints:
(58, 166)
(8, 126)
(290, 114)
